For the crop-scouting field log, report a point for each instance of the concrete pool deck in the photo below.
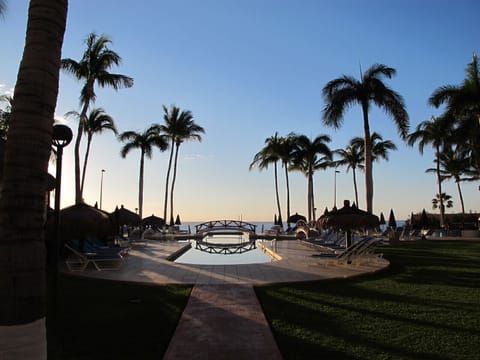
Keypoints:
(223, 318)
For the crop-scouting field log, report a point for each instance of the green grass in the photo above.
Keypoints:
(425, 306)
(101, 319)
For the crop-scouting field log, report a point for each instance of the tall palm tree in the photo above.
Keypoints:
(352, 158)
(269, 154)
(22, 196)
(285, 152)
(433, 132)
(96, 122)
(178, 126)
(463, 106)
(345, 91)
(93, 69)
(307, 160)
(187, 130)
(151, 137)
(5, 115)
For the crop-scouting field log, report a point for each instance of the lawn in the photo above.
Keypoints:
(425, 306)
(102, 319)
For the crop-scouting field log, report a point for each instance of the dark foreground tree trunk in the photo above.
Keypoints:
(22, 196)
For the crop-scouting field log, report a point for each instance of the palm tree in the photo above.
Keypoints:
(22, 196)
(434, 132)
(307, 160)
(352, 158)
(93, 69)
(439, 201)
(269, 154)
(3, 7)
(179, 126)
(145, 142)
(463, 106)
(96, 122)
(5, 115)
(454, 163)
(285, 152)
(187, 130)
(341, 93)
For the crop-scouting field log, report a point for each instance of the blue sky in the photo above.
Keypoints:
(247, 69)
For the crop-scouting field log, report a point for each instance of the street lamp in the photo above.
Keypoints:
(335, 188)
(61, 137)
(101, 188)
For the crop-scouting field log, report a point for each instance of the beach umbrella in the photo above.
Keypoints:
(153, 221)
(382, 219)
(391, 220)
(177, 220)
(275, 222)
(296, 217)
(81, 221)
(348, 218)
(127, 217)
(279, 220)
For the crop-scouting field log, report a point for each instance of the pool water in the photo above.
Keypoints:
(198, 257)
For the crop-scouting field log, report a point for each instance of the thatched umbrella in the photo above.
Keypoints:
(124, 216)
(296, 217)
(391, 220)
(153, 221)
(347, 219)
(81, 221)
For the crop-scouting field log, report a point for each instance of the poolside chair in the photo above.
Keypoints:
(361, 251)
(78, 260)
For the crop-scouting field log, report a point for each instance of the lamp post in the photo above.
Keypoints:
(61, 137)
(101, 188)
(335, 188)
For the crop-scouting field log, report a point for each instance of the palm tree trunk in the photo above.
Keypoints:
(288, 191)
(439, 180)
(22, 197)
(313, 197)
(461, 197)
(167, 182)
(140, 185)
(355, 187)
(276, 190)
(78, 189)
(309, 196)
(87, 152)
(368, 160)
(174, 177)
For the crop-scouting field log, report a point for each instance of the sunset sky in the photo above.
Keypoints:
(249, 68)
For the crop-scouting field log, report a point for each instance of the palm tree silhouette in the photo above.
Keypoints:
(22, 194)
(341, 93)
(151, 137)
(96, 122)
(434, 132)
(270, 154)
(93, 69)
(440, 201)
(352, 158)
(179, 127)
(307, 160)
(285, 152)
(463, 107)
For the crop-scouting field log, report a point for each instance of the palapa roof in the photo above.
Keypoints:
(348, 218)
(124, 216)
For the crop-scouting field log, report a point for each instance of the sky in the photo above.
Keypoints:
(247, 69)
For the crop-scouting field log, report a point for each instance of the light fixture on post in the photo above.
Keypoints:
(61, 137)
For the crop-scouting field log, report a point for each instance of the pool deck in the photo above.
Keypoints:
(223, 318)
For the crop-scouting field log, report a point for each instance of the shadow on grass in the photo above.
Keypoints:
(425, 306)
(101, 319)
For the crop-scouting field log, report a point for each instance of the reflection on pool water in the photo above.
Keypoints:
(224, 257)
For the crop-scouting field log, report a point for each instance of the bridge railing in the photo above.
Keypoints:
(225, 224)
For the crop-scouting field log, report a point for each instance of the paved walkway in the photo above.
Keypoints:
(223, 319)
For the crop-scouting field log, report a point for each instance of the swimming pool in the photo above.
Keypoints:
(224, 249)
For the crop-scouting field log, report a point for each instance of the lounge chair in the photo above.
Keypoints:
(78, 260)
(361, 251)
